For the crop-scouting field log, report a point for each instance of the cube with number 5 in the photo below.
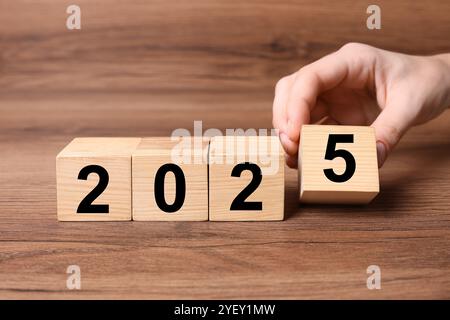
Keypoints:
(337, 164)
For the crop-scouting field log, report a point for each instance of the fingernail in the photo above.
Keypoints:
(290, 130)
(284, 138)
(381, 153)
(290, 161)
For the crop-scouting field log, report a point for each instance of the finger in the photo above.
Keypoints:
(350, 66)
(289, 146)
(310, 81)
(390, 126)
(291, 161)
(279, 117)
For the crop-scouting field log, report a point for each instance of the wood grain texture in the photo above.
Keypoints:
(143, 68)
(142, 46)
(261, 159)
(315, 187)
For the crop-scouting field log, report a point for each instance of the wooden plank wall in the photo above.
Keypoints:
(208, 45)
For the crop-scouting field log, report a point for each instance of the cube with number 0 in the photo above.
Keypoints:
(170, 180)
(337, 164)
(94, 179)
(246, 178)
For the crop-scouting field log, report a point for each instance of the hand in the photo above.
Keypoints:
(362, 85)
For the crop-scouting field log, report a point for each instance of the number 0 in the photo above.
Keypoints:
(332, 153)
(180, 193)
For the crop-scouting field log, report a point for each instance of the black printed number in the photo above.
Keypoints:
(180, 183)
(239, 202)
(86, 205)
(332, 153)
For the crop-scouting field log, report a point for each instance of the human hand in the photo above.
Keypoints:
(362, 85)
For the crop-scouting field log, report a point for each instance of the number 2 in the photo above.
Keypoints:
(239, 202)
(332, 153)
(86, 205)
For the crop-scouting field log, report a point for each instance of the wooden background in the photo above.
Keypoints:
(144, 68)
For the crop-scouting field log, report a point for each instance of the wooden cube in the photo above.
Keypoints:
(94, 179)
(338, 164)
(170, 180)
(246, 179)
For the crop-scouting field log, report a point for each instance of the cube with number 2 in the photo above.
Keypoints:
(246, 179)
(94, 179)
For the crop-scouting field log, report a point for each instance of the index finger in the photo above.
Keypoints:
(309, 83)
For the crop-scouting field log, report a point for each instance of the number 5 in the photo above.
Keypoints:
(332, 153)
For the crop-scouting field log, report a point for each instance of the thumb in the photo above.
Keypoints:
(390, 125)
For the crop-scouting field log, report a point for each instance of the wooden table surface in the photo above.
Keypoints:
(146, 68)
